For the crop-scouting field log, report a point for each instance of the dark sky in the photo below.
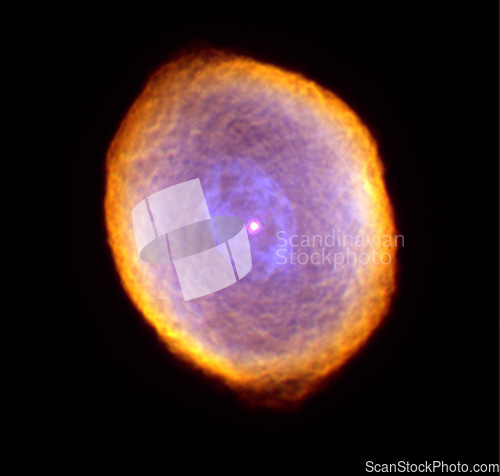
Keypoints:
(96, 387)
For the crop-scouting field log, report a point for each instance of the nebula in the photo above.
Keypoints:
(289, 158)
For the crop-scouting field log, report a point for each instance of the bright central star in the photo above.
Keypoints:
(254, 226)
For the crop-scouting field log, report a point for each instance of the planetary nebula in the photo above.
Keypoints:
(302, 172)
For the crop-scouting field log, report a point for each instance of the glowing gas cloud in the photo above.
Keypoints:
(290, 159)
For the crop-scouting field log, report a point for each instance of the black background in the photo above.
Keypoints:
(98, 390)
